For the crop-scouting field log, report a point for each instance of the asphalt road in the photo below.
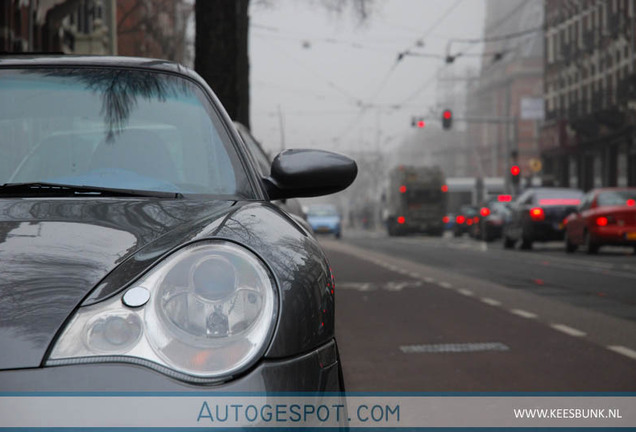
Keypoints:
(446, 314)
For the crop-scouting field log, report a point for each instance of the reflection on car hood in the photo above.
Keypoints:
(53, 252)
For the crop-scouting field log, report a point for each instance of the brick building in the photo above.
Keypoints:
(153, 28)
(512, 70)
(588, 139)
(70, 26)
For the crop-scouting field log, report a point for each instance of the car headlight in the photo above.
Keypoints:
(204, 313)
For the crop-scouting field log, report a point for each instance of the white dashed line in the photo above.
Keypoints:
(445, 285)
(568, 330)
(429, 280)
(415, 275)
(491, 302)
(523, 313)
(465, 292)
(623, 350)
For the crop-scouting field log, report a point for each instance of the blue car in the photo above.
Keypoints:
(325, 219)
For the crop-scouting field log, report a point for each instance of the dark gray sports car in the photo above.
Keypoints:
(139, 249)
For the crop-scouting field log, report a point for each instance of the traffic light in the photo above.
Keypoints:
(515, 176)
(418, 122)
(447, 119)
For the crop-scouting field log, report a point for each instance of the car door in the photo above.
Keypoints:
(577, 223)
(519, 211)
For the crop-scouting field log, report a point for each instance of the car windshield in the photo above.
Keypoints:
(114, 128)
(322, 211)
(558, 197)
(616, 198)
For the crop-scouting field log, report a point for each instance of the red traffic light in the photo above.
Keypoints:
(421, 124)
(515, 170)
(447, 119)
(444, 188)
(402, 189)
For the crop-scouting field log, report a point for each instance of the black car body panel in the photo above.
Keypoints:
(51, 274)
(316, 371)
(554, 204)
(59, 254)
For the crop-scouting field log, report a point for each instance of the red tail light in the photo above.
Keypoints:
(504, 198)
(537, 214)
(446, 219)
(444, 188)
(401, 219)
(476, 219)
(469, 222)
(631, 202)
(485, 211)
(460, 219)
(601, 221)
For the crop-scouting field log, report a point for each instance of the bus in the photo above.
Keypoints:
(415, 201)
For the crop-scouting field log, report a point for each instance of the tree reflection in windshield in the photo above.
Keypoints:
(120, 89)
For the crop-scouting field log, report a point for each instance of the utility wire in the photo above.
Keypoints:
(387, 76)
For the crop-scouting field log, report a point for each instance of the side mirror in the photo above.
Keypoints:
(309, 173)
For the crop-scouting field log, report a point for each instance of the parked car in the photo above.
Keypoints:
(140, 250)
(490, 222)
(538, 215)
(605, 217)
(263, 163)
(325, 219)
(464, 220)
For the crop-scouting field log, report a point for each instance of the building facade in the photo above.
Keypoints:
(588, 139)
(69, 26)
(154, 28)
(499, 134)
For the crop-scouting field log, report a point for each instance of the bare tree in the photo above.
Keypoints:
(221, 47)
(153, 28)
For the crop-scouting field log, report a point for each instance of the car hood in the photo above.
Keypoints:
(53, 252)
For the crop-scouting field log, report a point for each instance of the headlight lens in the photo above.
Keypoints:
(209, 314)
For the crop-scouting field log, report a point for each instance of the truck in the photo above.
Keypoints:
(415, 201)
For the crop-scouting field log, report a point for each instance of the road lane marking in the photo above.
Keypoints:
(453, 348)
(445, 285)
(568, 330)
(491, 302)
(466, 292)
(523, 313)
(391, 286)
(623, 350)
(429, 280)
(415, 275)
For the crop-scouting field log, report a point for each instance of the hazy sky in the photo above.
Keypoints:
(321, 70)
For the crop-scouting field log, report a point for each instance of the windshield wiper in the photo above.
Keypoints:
(40, 189)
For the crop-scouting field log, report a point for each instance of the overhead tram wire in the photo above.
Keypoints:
(387, 76)
(474, 43)
(326, 80)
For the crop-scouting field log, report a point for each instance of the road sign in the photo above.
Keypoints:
(535, 165)
(532, 108)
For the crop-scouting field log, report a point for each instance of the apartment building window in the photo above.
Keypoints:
(622, 178)
(573, 170)
(598, 171)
